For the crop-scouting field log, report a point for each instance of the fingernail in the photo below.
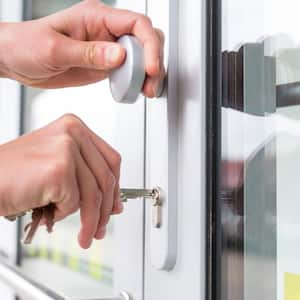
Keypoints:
(120, 206)
(158, 65)
(102, 233)
(159, 88)
(112, 55)
(89, 243)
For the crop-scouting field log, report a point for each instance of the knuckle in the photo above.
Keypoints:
(104, 220)
(116, 160)
(144, 20)
(58, 169)
(70, 122)
(67, 144)
(161, 35)
(91, 2)
(90, 53)
(51, 48)
(109, 182)
(96, 193)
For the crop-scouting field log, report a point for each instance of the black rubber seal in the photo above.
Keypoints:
(213, 149)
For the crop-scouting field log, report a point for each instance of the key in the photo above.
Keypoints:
(127, 194)
(39, 213)
(31, 228)
(154, 195)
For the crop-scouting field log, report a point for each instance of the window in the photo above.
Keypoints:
(89, 272)
(256, 205)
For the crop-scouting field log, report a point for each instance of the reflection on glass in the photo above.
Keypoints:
(42, 8)
(56, 260)
(260, 150)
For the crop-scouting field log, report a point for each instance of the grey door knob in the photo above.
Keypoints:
(127, 81)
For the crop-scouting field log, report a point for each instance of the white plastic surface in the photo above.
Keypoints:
(162, 145)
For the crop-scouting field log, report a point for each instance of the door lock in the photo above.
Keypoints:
(155, 195)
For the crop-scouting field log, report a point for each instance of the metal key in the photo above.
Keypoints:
(31, 228)
(127, 194)
(37, 214)
(154, 195)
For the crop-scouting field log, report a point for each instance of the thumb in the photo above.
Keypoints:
(92, 55)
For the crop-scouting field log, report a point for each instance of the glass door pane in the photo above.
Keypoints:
(260, 150)
(56, 260)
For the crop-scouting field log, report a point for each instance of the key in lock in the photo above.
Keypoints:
(155, 195)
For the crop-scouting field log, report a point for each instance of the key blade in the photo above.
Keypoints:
(31, 228)
(135, 193)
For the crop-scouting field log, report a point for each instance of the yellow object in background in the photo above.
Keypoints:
(291, 286)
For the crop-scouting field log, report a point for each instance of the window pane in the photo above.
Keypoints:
(260, 149)
(50, 259)
(42, 8)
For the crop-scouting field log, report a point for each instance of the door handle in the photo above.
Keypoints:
(127, 81)
(26, 287)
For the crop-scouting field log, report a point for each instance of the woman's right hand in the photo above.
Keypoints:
(66, 164)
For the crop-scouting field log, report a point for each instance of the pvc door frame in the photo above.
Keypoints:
(187, 279)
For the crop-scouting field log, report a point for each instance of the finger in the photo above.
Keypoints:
(101, 234)
(90, 203)
(73, 77)
(118, 205)
(100, 55)
(153, 86)
(113, 160)
(68, 203)
(103, 174)
(120, 22)
(161, 36)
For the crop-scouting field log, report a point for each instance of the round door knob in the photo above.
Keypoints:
(127, 81)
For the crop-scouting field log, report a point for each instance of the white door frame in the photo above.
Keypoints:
(187, 279)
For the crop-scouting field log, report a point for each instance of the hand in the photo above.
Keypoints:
(66, 164)
(77, 47)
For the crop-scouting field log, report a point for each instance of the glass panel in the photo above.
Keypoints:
(42, 8)
(260, 150)
(90, 272)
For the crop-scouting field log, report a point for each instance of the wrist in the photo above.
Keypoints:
(5, 40)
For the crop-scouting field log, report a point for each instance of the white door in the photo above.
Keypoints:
(162, 143)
